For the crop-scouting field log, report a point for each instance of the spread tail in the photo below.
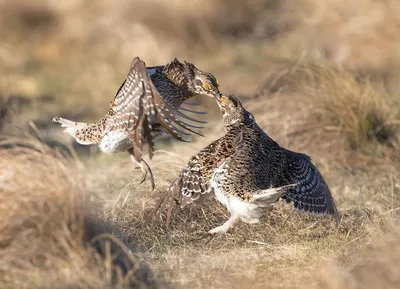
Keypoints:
(78, 130)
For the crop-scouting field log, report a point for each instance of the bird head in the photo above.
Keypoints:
(233, 111)
(200, 82)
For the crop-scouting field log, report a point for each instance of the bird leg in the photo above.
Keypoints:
(225, 226)
(145, 168)
(221, 229)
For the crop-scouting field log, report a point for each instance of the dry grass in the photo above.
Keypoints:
(49, 239)
(342, 103)
(50, 223)
(282, 255)
(45, 239)
(363, 111)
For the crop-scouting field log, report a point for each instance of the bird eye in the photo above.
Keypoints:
(207, 86)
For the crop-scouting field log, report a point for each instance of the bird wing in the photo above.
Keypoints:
(150, 71)
(135, 107)
(260, 166)
(154, 69)
(193, 182)
(311, 194)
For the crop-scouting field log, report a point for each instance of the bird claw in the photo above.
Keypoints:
(145, 169)
(151, 178)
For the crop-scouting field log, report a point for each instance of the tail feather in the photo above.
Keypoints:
(76, 130)
(271, 195)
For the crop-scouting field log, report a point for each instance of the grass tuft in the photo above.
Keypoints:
(339, 100)
(48, 237)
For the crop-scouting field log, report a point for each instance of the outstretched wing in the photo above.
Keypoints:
(137, 105)
(312, 194)
(193, 181)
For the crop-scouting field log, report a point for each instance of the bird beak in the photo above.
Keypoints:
(221, 99)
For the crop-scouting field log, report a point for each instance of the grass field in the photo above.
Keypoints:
(320, 77)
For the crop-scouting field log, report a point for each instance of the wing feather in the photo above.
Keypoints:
(312, 194)
(137, 104)
(273, 167)
(193, 183)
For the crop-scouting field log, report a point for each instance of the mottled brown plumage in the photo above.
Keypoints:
(248, 172)
(147, 103)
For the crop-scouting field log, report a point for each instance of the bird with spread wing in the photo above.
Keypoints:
(248, 172)
(147, 104)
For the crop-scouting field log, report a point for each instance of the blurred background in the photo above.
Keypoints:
(68, 58)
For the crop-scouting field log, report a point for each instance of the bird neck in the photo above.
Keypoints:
(233, 125)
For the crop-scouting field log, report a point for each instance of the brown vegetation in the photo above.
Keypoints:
(355, 107)
(48, 237)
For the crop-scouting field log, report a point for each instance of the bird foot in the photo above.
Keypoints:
(216, 231)
(225, 227)
(146, 170)
(219, 230)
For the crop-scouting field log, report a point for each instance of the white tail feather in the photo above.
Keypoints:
(72, 127)
(272, 194)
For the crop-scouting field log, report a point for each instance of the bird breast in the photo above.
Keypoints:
(115, 141)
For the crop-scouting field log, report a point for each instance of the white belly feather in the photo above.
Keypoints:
(115, 141)
(118, 141)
